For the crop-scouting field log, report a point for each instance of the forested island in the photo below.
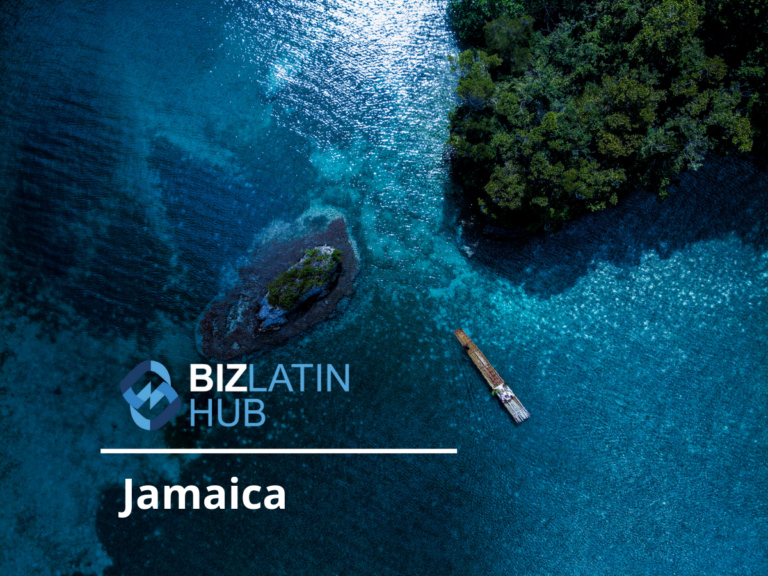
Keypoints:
(566, 106)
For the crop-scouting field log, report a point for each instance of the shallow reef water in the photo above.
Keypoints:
(149, 149)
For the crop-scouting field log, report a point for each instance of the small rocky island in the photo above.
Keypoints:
(288, 288)
(306, 281)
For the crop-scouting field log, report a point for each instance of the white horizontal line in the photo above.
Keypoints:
(279, 450)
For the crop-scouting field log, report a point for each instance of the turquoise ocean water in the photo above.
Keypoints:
(149, 148)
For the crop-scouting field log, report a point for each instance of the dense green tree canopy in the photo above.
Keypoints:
(565, 106)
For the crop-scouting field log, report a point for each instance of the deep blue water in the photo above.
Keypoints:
(147, 148)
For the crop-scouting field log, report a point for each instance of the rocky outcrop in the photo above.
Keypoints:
(289, 287)
(307, 281)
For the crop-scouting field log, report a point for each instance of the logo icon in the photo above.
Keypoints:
(138, 400)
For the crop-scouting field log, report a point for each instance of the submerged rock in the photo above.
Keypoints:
(290, 287)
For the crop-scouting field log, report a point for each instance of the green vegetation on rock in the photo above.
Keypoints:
(565, 106)
(314, 270)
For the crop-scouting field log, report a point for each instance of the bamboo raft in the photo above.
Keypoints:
(498, 386)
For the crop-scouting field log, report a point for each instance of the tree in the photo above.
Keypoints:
(554, 123)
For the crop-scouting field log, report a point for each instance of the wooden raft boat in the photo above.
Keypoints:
(498, 386)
